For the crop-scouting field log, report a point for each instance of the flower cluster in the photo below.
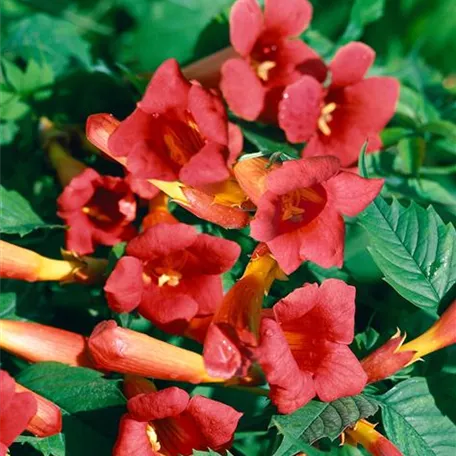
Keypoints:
(178, 146)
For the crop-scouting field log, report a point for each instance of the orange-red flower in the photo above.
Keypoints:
(234, 329)
(129, 352)
(35, 342)
(16, 411)
(300, 206)
(172, 274)
(394, 355)
(375, 443)
(48, 418)
(304, 346)
(169, 422)
(158, 212)
(23, 264)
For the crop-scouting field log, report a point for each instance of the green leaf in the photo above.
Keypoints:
(116, 253)
(320, 419)
(209, 453)
(413, 421)
(12, 108)
(391, 136)
(91, 405)
(17, 215)
(48, 446)
(8, 131)
(47, 40)
(413, 248)
(412, 152)
(442, 128)
(363, 13)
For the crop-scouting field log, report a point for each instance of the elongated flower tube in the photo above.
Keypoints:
(220, 203)
(35, 342)
(375, 443)
(395, 355)
(23, 264)
(134, 385)
(129, 352)
(170, 423)
(158, 212)
(48, 418)
(235, 326)
(16, 411)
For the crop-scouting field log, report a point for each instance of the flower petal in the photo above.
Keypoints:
(161, 240)
(207, 291)
(235, 143)
(158, 405)
(168, 89)
(339, 374)
(300, 109)
(351, 63)
(242, 89)
(124, 287)
(215, 420)
(209, 114)
(133, 438)
(287, 17)
(79, 191)
(207, 167)
(79, 235)
(286, 250)
(246, 24)
(350, 194)
(290, 387)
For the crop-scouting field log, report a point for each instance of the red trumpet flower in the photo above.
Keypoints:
(16, 411)
(178, 132)
(304, 348)
(98, 209)
(172, 274)
(300, 207)
(337, 120)
(271, 55)
(169, 422)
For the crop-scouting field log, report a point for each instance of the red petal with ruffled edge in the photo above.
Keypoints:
(235, 143)
(287, 17)
(161, 240)
(162, 404)
(350, 64)
(207, 291)
(215, 420)
(79, 191)
(290, 387)
(209, 113)
(124, 287)
(350, 194)
(246, 24)
(242, 89)
(78, 236)
(168, 89)
(133, 438)
(207, 167)
(339, 373)
(300, 109)
(16, 411)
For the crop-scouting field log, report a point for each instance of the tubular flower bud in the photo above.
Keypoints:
(16, 411)
(130, 352)
(23, 264)
(35, 342)
(134, 385)
(158, 212)
(375, 443)
(48, 418)
(395, 355)
(235, 326)
(169, 422)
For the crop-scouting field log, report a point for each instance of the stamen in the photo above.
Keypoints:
(94, 213)
(176, 150)
(326, 117)
(263, 68)
(153, 438)
(168, 277)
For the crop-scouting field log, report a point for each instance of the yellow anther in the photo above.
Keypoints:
(170, 278)
(263, 69)
(326, 117)
(153, 438)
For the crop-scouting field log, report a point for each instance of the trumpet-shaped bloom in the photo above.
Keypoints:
(129, 352)
(172, 274)
(375, 443)
(270, 55)
(169, 422)
(299, 212)
(98, 210)
(179, 131)
(304, 348)
(16, 411)
(337, 120)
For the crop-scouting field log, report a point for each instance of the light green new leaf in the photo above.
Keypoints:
(48, 446)
(320, 419)
(413, 421)
(17, 216)
(413, 248)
